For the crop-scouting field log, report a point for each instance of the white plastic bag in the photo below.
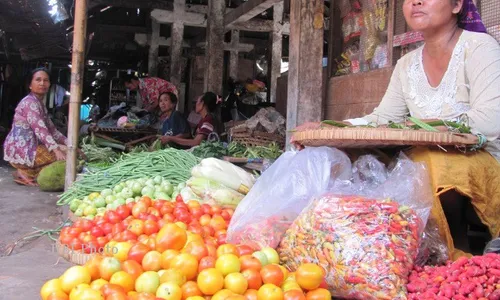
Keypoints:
(281, 193)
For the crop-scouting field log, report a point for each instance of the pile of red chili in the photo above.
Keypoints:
(367, 247)
(475, 278)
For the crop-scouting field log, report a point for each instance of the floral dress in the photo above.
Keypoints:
(150, 89)
(31, 128)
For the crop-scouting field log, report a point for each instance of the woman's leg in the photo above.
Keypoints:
(454, 209)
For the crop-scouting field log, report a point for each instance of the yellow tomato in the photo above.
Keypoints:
(210, 281)
(195, 298)
(98, 283)
(49, 287)
(172, 275)
(77, 291)
(270, 292)
(88, 294)
(222, 294)
(187, 264)
(181, 225)
(290, 285)
(228, 263)
(236, 283)
(121, 251)
(123, 279)
(74, 276)
(169, 291)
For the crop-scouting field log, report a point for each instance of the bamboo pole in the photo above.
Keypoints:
(77, 64)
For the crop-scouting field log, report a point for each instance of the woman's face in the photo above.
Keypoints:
(426, 15)
(199, 105)
(40, 83)
(166, 103)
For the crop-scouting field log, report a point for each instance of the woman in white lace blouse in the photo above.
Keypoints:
(456, 74)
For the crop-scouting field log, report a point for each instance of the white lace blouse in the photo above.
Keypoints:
(470, 89)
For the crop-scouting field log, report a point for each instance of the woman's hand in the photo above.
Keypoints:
(60, 154)
(165, 139)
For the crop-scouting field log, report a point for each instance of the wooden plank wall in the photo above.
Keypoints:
(356, 95)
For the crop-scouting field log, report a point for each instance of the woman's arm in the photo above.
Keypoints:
(39, 125)
(58, 136)
(188, 142)
(482, 67)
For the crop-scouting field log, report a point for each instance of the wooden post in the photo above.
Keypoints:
(176, 50)
(214, 56)
(305, 74)
(234, 55)
(153, 48)
(77, 64)
(276, 49)
(390, 32)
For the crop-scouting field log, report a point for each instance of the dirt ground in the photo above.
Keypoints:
(23, 272)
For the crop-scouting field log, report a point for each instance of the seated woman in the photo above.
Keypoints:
(174, 123)
(33, 141)
(206, 106)
(455, 75)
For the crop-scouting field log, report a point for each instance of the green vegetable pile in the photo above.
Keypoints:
(171, 164)
(234, 149)
(95, 153)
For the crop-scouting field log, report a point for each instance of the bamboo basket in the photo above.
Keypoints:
(73, 256)
(256, 138)
(380, 138)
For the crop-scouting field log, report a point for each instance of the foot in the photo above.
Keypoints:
(23, 180)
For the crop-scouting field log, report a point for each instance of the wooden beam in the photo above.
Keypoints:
(176, 50)
(154, 48)
(240, 47)
(390, 32)
(247, 11)
(276, 49)
(214, 58)
(150, 4)
(78, 62)
(305, 74)
(234, 55)
(121, 28)
(145, 40)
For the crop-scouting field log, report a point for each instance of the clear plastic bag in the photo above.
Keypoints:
(432, 251)
(366, 232)
(282, 191)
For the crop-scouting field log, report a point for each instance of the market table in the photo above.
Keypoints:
(126, 136)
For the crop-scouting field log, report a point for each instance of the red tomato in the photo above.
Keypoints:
(91, 247)
(196, 229)
(146, 200)
(152, 218)
(245, 250)
(98, 220)
(197, 249)
(184, 218)
(137, 252)
(208, 231)
(207, 209)
(168, 218)
(117, 228)
(139, 207)
(153, 211)
(206, 262)
(221, 239)
(158, 204)
(196, 212)
(205, 219)
(143, 216)
(102, 241)
(179, 198)
(75, 244)
(230, 211)
(123, 211)
(128, 235)
(74, 231)
(180, 210)
(130, 205)
(106, 228)
(272, 274)
(181, 205)
(96, 231)
(166, 209)
(171, 236)
(65, 239)
(113, 217)
(216, 210)
(150, 227)
(161, 223)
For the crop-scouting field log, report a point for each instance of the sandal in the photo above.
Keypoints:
(23, 180)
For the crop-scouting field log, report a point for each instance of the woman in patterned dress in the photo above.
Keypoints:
(33, 142)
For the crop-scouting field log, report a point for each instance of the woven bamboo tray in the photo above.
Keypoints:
(380, 137)
(73, 256)
(256, 138)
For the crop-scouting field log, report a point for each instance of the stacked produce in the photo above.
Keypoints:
(142, 220)
(219, 182)
(474, 278)
(97, 203)
(235, 149)
(171, 164)
(181, 261)
(367, 247)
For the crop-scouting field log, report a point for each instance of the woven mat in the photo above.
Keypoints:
(380, 137)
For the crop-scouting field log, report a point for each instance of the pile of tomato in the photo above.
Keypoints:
(142, 220)
(176, 251)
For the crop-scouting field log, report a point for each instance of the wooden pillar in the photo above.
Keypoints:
(390, 32)
(234, 54)
(305, 74)
(214, 54)
(276, 49)
(77, 64)
(176, 50)
(153, 48)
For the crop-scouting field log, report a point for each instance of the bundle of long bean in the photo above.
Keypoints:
(172, 164)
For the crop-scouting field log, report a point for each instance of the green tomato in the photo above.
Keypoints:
(162, 196)
(101, 210)
(126, 193)
(168, 188)
(129, 183)
(83, 205)
(90, 210)
(90, 217)
(150, 182)
(174, 194)
(106, 192)
(117, 189)
(129, 200)
(73, 206)
(137, 188)
(119, 202)
(86, 198)
(181, 186)
(137, 198)
(79, 212)
(148, 191)
(110, 199)
(110, 207)
(158, 179)
(100, 202)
